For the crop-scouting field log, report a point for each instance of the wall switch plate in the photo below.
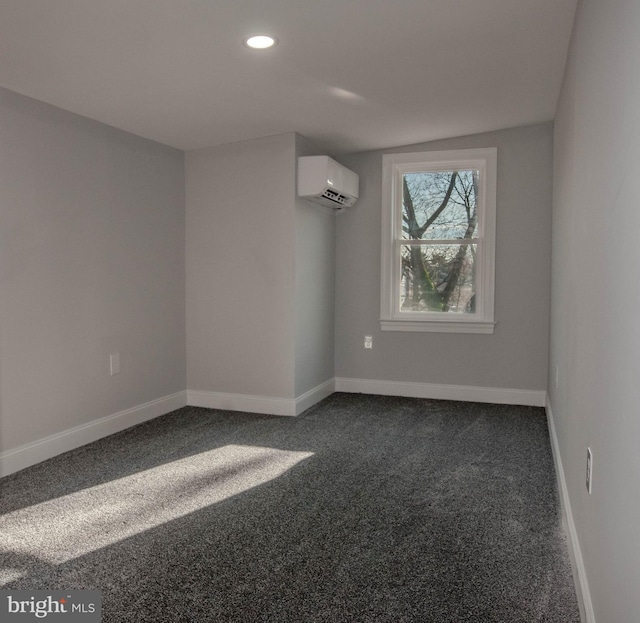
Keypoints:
(114, 363)
(589, 481)
(368, 341)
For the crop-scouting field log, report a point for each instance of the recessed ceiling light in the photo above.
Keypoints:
(261, 42)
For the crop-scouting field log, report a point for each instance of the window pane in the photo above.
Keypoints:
(439, 205)
(438, 278)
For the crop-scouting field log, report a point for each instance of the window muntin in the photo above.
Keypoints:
(438, 241)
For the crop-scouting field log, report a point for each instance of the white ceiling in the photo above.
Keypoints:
(350, 75)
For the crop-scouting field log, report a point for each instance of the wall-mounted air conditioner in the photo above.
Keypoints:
(325, 181)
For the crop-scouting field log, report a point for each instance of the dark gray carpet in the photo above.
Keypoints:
(365, 508)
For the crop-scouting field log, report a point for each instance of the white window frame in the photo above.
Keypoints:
(394, 167)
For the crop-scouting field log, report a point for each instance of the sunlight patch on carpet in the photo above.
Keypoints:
(64, 528)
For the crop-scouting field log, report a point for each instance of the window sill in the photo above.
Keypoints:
(439, 326)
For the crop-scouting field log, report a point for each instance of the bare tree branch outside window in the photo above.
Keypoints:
(438, 247)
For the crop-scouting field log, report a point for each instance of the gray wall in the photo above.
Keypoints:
(91, 262)
(315, 287)
(515, 356)
(260, 272)
(595, 337)
(240, 267)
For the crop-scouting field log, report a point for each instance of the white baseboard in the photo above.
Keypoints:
(579, 572)
(315, 395)
(19, 458)
(241, 402)
(260, 404)
(14, 460)
(532, 398)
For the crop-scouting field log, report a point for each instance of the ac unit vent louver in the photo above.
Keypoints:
(337, 197)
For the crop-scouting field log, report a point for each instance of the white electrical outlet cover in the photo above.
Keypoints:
(114, 363)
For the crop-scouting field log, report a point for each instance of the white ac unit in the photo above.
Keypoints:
(325, 181)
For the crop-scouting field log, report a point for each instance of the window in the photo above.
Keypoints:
(438, 241)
